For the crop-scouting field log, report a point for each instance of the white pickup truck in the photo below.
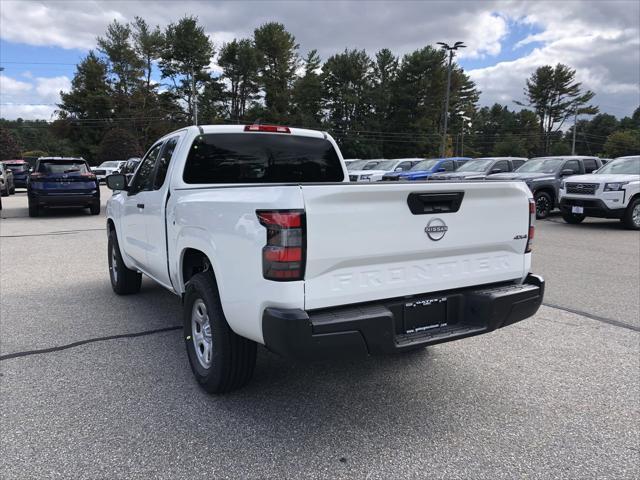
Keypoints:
(259, 231)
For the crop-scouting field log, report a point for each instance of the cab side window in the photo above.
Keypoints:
(164, 161)
(144, 175)
(502, 165)
(448, 166)
(517, 163)
(572, 165)
(590, 165)
(405, 166)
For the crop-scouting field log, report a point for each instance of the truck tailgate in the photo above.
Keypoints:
(365, 243)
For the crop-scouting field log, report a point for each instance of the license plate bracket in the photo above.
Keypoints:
(577, 209)
(423, 315)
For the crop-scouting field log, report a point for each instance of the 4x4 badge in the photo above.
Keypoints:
(436, 229)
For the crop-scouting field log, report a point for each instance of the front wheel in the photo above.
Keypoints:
(123, 280)
(5, 191)
(95, 209)
(572, 218)
(631, 219)
(13, 190)
(544, 205)
(220, 359)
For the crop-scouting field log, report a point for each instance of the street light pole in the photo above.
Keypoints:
(451, 50)
(194, 96)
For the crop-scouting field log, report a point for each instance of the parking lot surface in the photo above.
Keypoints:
(555, 396)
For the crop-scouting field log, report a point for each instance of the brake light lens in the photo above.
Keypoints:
(266, 128)
(88, 175)
(532, 226)
(37, 175)
(284, 255)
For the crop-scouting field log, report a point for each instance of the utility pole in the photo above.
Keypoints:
(194, 97)
(575, 127)
(451, 50)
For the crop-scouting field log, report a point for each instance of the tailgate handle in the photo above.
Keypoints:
(440, 202)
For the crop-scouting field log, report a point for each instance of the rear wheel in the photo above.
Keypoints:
(5, 191)
(572, 218)
(34, 210)
(631, 217)
(544, 204)
(13, 190)
(95, 209)
(124, 281)
(220, 359)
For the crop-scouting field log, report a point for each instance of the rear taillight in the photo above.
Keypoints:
(532, 226)
(284, 255)
(89, 176)
(266, 128)
(36, 175)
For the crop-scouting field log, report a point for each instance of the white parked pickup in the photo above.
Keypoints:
(259, 231)
(613, 191)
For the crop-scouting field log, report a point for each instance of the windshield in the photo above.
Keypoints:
(372, 165)
(57, 168)
(630, 166)
(357, 165)
(424, 165)
(475, 166)
(261, 158)
(110, 164)
(384, 165)
(541, 165)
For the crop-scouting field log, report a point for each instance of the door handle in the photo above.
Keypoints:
(140, 205)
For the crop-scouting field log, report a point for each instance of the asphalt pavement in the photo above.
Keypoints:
(555, 396)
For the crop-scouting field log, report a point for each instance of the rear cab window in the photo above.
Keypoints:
(261, 158)
(60, 167)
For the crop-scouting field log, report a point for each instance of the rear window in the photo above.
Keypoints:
(261, 158)
(58, 167)
(17, 167)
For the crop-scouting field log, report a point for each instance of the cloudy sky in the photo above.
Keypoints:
(41, 41)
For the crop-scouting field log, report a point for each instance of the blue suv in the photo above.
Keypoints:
(62, 182)
(424, 169)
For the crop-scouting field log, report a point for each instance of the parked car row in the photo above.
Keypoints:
(545, 177)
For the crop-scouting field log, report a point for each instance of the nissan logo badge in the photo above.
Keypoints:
(436, 229)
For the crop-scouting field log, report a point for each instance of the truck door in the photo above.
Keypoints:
(134, 234)
(155, 215)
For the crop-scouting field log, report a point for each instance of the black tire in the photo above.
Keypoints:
(95, 209)
(123, 280)
(13, 190)
(5, 191)
(572, 218)
(628, 219)
(232, 357)
(34, 210)
(544, 205)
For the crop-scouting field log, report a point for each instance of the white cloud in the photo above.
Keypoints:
(11, 86)
(34, 100)
(49, 88)
(605, 54)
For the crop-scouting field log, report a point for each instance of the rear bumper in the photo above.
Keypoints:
(592, 207)
(64, 199)
(379, 328)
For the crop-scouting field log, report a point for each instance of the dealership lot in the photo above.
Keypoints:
(556, 395)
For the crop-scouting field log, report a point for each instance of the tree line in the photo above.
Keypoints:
(380, 106)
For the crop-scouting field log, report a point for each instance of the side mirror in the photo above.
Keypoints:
(566, 172)
(117, 181)
(496, 170)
